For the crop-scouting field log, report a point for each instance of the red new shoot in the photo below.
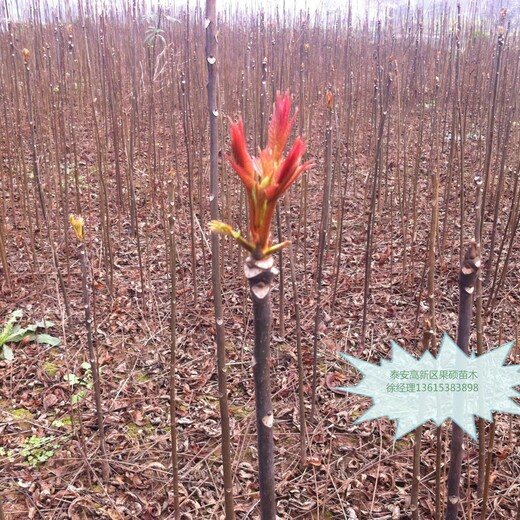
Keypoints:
(266, 177)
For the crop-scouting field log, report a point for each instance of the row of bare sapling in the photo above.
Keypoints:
(259, 176)
(413, 93)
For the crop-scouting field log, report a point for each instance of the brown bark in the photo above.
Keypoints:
(467, 280)
(260, 274)
(211, 60)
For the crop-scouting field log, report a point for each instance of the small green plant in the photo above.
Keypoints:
(38, 450)
(6, 336)
(14, 333)
(85, 382)
(153, 34)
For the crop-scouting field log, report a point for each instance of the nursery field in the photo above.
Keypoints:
(127, 328)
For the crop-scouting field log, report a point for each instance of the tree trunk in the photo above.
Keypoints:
(260, 274)
(467, 279)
